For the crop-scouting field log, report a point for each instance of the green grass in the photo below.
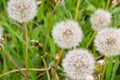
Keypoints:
(15, 44)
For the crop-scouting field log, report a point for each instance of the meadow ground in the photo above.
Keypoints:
(44, 56)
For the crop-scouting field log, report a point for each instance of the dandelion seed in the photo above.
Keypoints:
(67, 34)
(78, 63)
(22, 10)
(107, 42)
(100, 19)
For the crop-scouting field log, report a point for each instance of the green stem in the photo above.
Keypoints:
(115, 67)
(91, 39)
(57, 63)
(99, 57)
(104, 69)
(47, 28)
(45, 64)
(23, 69)
(12, 61)
(77, 9)
(94, 51)
(26, 49)
(108, 3)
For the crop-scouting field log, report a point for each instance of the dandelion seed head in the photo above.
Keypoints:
(78, 63)
(67, 34)
(22, 10)
(100, 19)
(107, 42)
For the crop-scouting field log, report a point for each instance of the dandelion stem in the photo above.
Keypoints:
(26, 49)
(23, 69)
(94, 51)
(45, 64)
(77, 9)
(99, 57)
(12, 61)
(108, 3)
(91, 39)
(47, 28)
(103, 73)
(56, 66)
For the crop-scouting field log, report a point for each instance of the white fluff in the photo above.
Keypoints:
(67, 34)
(107, 42)
(100, 19)
(78, 63)
(22, 10)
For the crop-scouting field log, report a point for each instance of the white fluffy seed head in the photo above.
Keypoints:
(78, 63)
(107, 41)
(100, 19)
(67, 34)
(22, 10)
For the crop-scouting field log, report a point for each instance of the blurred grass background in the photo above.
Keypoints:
(15, 45)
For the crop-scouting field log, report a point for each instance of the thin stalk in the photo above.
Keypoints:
(57, 64)
(26, 49)
(45, 64)
(104, 69)
(99, 57)
(12, 61)
(77, 9)
(91, 39)
(48, 25)
(23, 69)
(108, 3)
(94, 51)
